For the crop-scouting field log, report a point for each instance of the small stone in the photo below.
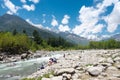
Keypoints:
(45, 78)
(112, 68)
(116, 75)
(57, 78)
(67, 76)
(79, 68)
(51, 76)
(106, 64)
(76, 76)
(118, 66)
(104, 74)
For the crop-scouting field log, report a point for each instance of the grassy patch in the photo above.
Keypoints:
(40, 78)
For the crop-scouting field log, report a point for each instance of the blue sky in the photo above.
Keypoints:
(93, 19)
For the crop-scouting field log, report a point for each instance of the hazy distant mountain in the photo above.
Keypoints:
(11, 22)
(74, 38)
(116, 37)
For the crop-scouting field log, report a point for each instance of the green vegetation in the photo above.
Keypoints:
(40, 78)
(15, 43)
(108, 44)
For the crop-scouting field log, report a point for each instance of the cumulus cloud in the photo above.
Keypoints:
(54, 22)
(89, 18)
(113, 20)
(65, 20)
(36, 25)
(35, 1)
(29, 8)
(12, 8)
(98, 28)
(23, 1)
(63, 28)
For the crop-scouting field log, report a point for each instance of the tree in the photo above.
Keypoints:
(14, 32)
(37, 37)
(24, 31)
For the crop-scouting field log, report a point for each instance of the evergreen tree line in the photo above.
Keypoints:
(108, 44)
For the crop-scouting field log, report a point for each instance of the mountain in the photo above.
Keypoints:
(74, 38)
(116, 37)
(12, 22)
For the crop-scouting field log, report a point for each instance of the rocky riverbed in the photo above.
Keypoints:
(7, 58)
(84, 65)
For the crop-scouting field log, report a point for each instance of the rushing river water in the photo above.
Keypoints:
(20, 69)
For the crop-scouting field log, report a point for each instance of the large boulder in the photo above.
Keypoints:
(66, 70)
(95, 71)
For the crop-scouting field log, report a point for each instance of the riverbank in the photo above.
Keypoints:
(84, 65)
(7, 58)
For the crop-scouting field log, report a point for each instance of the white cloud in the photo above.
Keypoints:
(9, 12)
(29, 8)
(65, 20)
(35, 1)
(63, 28)
(36, 25)
(93, 37)
(54, 21)
(12, 8)
(113, 19)
(98, 28)
(44, 21)
(89, 18)
(23, 1)
(48, 28)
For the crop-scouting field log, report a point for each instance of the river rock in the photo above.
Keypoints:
(112, 68)
(104, 74)
(1, 58)
(109, 60)
(118, 66)
(117, 59)
(46, 79)
(67, 76)
(95, 71)
(23, 56)
(106, 64)
(67, 70)
(57, 78)
(76, 76)
(116, 75)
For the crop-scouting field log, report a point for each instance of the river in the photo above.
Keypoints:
(20, 69)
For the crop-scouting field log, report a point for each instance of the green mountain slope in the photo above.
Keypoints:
(12, 22)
